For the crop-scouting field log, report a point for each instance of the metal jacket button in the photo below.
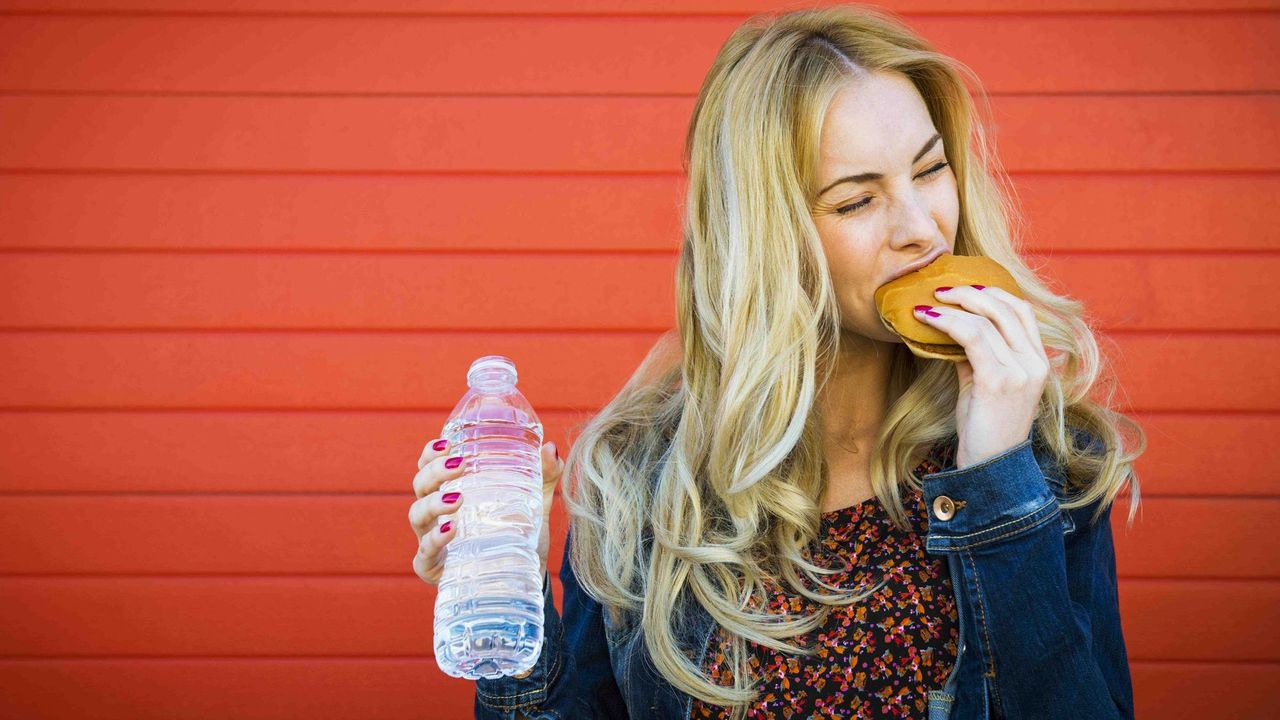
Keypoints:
(943, 508)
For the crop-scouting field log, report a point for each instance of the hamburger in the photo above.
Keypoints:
(896, 300)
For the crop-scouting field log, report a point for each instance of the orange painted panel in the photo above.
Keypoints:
(85, 451)
(367, 370)
(338, 688)
(577, 134)
(391, 688)
(561, 370)
(1194, 691)
(460, 291)
(436, 291)
(1181, 293)
(587, 213)
(322, 534)
(1210, 453)
(1223, 620)
(584, 213)
(225, 452)
(272, 616)
(609, 56)
(1184, 538)
(1154, 213)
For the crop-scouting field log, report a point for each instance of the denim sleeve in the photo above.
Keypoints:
(573, 677)
(1041, 585)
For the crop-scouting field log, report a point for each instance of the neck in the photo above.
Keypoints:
(856, 398)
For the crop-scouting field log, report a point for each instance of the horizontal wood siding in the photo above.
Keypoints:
(238, 294)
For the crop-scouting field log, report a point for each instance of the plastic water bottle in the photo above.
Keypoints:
(488, 616)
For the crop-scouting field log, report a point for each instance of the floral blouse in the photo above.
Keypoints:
(875, 659)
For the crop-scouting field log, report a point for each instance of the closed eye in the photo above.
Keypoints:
(864, 201)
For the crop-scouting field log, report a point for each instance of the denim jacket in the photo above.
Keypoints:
(1035, 590)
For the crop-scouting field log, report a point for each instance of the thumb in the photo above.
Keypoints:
(552, 466)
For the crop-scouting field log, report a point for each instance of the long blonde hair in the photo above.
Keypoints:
(703, 476)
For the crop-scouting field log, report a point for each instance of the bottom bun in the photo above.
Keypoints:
(954, 353)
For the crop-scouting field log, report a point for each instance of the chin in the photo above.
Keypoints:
(858, 336)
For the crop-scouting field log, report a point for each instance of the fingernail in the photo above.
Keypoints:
(453, 462)
(942, 289)
(439, 445)
(555, 450)
(928, 310)
(977, 287)
(451, 497)
(445, 527)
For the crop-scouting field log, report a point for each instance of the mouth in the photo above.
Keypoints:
(924, 262)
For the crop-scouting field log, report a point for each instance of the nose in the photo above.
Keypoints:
(913, 222)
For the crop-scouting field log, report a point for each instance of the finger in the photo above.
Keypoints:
(1018, 320)
(427, 512)
(552, 465)
(434, 449)
(428, 564)
(995, 308)
(982, 343)
(437, 472)
(1026, 314)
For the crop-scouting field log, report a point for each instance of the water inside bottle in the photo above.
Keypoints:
(489, 603)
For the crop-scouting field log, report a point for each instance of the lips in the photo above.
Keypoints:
(918, 264)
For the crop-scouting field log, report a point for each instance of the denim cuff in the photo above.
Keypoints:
(989, 502)
(508, 693)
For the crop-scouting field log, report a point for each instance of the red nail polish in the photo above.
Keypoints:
(978, 287)
(445, 527)
(924, 308)
(942, 289)
(439, 445)
(453, 462)
(931, 313)
(451, 497)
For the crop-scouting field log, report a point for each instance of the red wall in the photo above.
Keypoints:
(250, 247)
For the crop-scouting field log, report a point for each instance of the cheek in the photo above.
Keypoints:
(853, 273)
(947, 202)
(849, 258)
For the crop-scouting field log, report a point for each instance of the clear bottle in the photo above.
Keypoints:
(488, 614)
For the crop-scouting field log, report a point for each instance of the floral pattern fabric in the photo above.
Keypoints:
(875, 659)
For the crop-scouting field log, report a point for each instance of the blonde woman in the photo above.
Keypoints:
(785, 513)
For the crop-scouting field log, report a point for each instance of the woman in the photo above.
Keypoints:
(787, 514)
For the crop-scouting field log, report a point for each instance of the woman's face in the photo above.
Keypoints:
(904, 210)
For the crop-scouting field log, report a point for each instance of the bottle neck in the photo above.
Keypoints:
(492, 381)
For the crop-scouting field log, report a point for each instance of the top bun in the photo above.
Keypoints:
(896, 300)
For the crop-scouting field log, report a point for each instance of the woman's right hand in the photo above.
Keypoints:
(430, 515)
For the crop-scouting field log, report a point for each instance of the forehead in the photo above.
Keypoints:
(873, 123)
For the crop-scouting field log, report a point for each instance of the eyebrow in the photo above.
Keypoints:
(864, 177)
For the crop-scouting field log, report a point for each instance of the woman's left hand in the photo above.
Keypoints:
(1003, 374)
